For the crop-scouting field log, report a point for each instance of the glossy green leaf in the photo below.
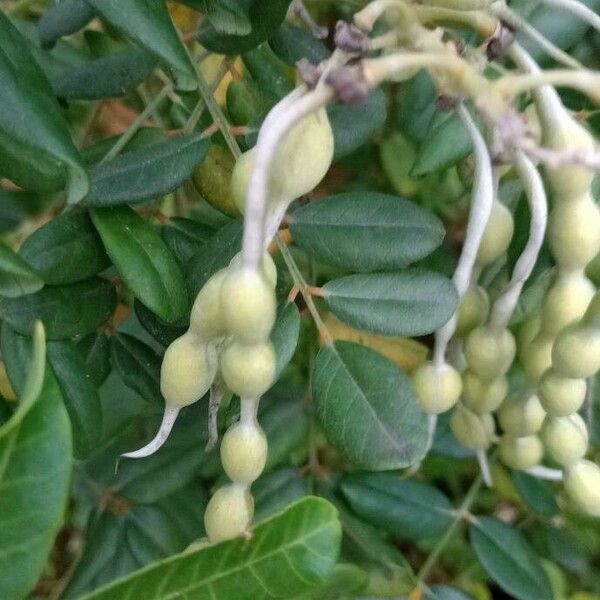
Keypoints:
(445, 592)
(17, 278)
(418, 105)
(164, 333)
(268, 71)
(66, 310)
(25, 91)
(143, 261)
(285, 335)
(185, 237)
(145, 136)
(148, 22)
(16, 206)
(110, 76)
(286, 555)
(346, 581)
(35, 453)
(94, 349)
(354, 124)
(403, 507)
(509, 560)
(65, 18)
(291, 43)
(138, 365)
(411, 302)
(66, 249)
(265, 18)
(274, 491)
(366, 231)
(368, 408)
(538, 494)
(146, 173)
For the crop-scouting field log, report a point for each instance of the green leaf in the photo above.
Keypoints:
(418, 105)
(355, 124)
(509, 560)
(148, 22)
(110, 76)
(149, 172)
(446, 592)
(35, 454)
(184, 237)
(411, 302)
(268, 71)
(138, 365)
(143, 261)
(538, 494)
(286, 555)
(403, 507)
(285, 335)
(63, 19)
(17, 278)
(66, 310)
(346, 581)
(66, 249)
(16, 206)
(164, 333)
(25, 91)
(291, 43)
(265, 18)
(368, 408)
(94, 349)
(274, 491)
(366, 231)
(145, 136)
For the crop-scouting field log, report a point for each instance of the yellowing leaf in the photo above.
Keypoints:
(6, 389)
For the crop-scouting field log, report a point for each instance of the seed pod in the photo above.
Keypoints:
(576, 351)
(490, 352)
(473, 311)
(561, 396)
(483, 396)
(207, 319)
(268, 267)
(248, 369)
(438, 388)
(470, 429)
(521, 416)
(497, 235)
(521, 452)
(248, 304)
(188, 370)
(565, 438)
(228, 513)
(244, 452)
(582, 484)
(536, 358)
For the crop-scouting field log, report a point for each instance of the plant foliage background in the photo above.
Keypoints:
(130, 110)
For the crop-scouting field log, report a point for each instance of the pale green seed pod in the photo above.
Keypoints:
(497, 235)
(561, 396)
(536, 358)
(576, 351)
(268, 267)
(521, 415)
(188, 369)
(244, 452)
(248, 369)
(582, 484)
(207, 319)
(473, 310)
(483, 396)
(565, 438)
(438, 388)
(470, 429)
(228, 513)
(249, 305)
(489, 352)
(520, 452)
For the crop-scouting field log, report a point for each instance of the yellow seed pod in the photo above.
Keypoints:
(576, 352)
(438, 388)
(497, 235)
(248, 304)
(473, 311)
(574, 232)
(268, 267)
(582, 484)
(228, 513)
(565, 438)
(248, 369)
(470, 429)
(521, 415)
(536, 358)
(207, 320)
(483, 396)
(244, 452)
(520, 452)
(561, 396)
(489, 352)
(188, 369)
(303, 159)
(566, 301)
